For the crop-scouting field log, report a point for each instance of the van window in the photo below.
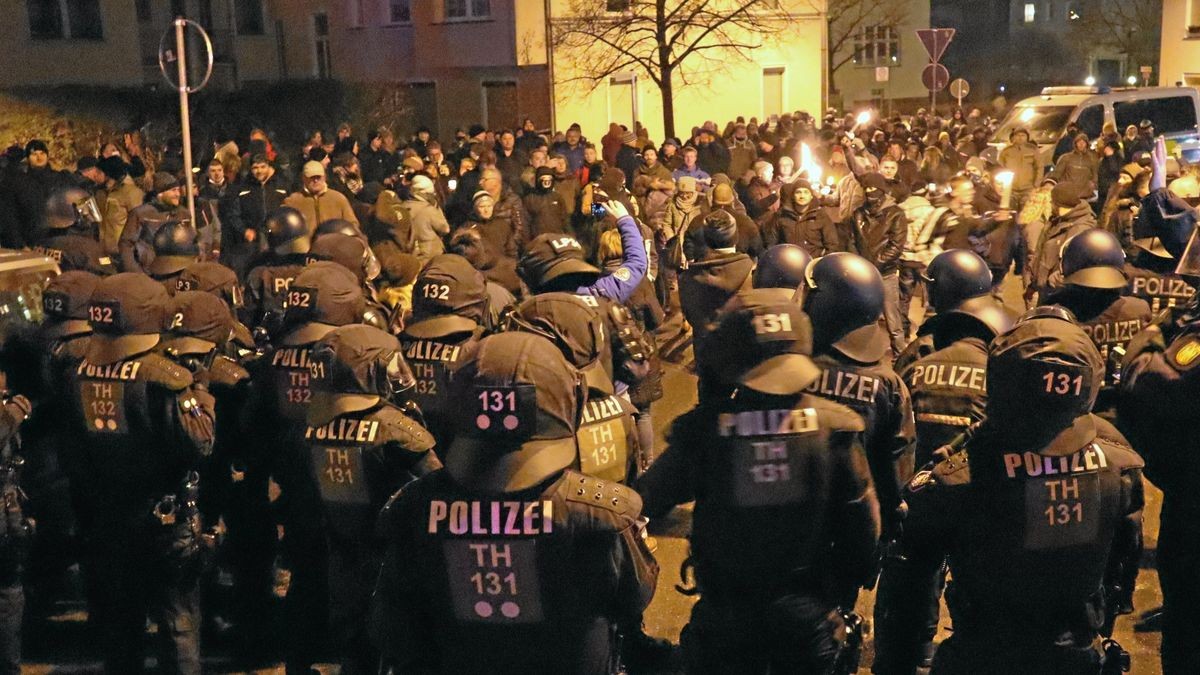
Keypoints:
(1091, 120)
(1045, 123)
(1169, 115)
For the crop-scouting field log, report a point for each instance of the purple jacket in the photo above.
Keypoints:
(619, 284)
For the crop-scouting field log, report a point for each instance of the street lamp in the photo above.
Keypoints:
(1132, 80)
(1090, 81)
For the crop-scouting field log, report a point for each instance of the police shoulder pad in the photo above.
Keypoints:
(602, 494)
(226, 372)
(954, 470)
(403, 430)
(1184, 353)
(164, 372)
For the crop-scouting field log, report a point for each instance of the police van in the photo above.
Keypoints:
(1174, 111)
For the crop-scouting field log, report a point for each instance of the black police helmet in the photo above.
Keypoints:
(1043, 373)
(62, 208)
(845, 301)
(286, 231)
(953, 276)
(363, 365)
(176, 245)
(1094, 259)
(720, 229)
(782, 266)
(339, 226)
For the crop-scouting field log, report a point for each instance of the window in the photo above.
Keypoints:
(356, 13)
(499, 103)
(468, 9)
(1049, 11)
(773, 90)
(1091, 120)
(58, 19)
(324, 60)
(1030, 12)
(249, 18)
(1193, 18)
(1169, 115)
(145, 12)
(399, 11)
(617, 5)
(877, 46)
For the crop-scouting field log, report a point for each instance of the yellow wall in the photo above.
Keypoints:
(1180, 60)
(720, 93)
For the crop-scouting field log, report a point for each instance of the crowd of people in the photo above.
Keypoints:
(417, 383)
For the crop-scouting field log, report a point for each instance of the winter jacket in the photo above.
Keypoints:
(713, 158)
(879, 236)
(137, 239)
(547, 212)
(23, 213)
(620, 284)
(428, 228)
(256, 200)
(811, 228)
(926, 233)
(316, 209)
(1077, 168)
(122, 200)
(1025, 164)
(1047, 268)
(742, 155)
(706, 285)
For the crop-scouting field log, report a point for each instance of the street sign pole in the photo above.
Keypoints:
(181, 72)
(935, 41)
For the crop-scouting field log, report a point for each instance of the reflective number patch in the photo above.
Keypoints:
(765, 473)
(603, 450)
(340, 475)
(1062, 511)
(104, 406)
(293, 386)
(494, 581)
(430, 385)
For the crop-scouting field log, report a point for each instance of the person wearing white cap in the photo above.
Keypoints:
(429, 224)
(316, 202)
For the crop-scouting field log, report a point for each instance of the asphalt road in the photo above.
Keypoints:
(63, 650)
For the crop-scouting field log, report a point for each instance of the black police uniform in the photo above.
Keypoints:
(199, 327)
(449, 308)
(785, 519)
(1156, 408)
(350, 250)
(362, 449)
(69, 238)
(845, 299)
(1154, 282)
(1038, 514)
(507, 561)
(176, 245)
(324, 295)
(51, 470)
(145, 424)
(271, 273)
(607, 436)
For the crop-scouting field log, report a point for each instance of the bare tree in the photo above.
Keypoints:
(671, 41)
(1130, 28)
(847, 20)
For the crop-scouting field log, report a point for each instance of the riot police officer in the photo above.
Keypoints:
(845, 300)
(948, 384)
(270, 275)
(1093, 267)
(1157, 408)
(145, 425)
(786, 517)
(1151, 271)
(71, 218)
(353, 253)
(449, 310)
(536, 581)
(52, 472)
(322, 297)
(1038, 515)
(362, 449)
(959, 279)
(176, 245)
(199, 328)
(782, 266)
(554, 262)
(607, 436)
(222, 281)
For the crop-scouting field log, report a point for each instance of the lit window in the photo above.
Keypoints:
(1030, 12)
(399, 11)
(468, 9)
(877, 46)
